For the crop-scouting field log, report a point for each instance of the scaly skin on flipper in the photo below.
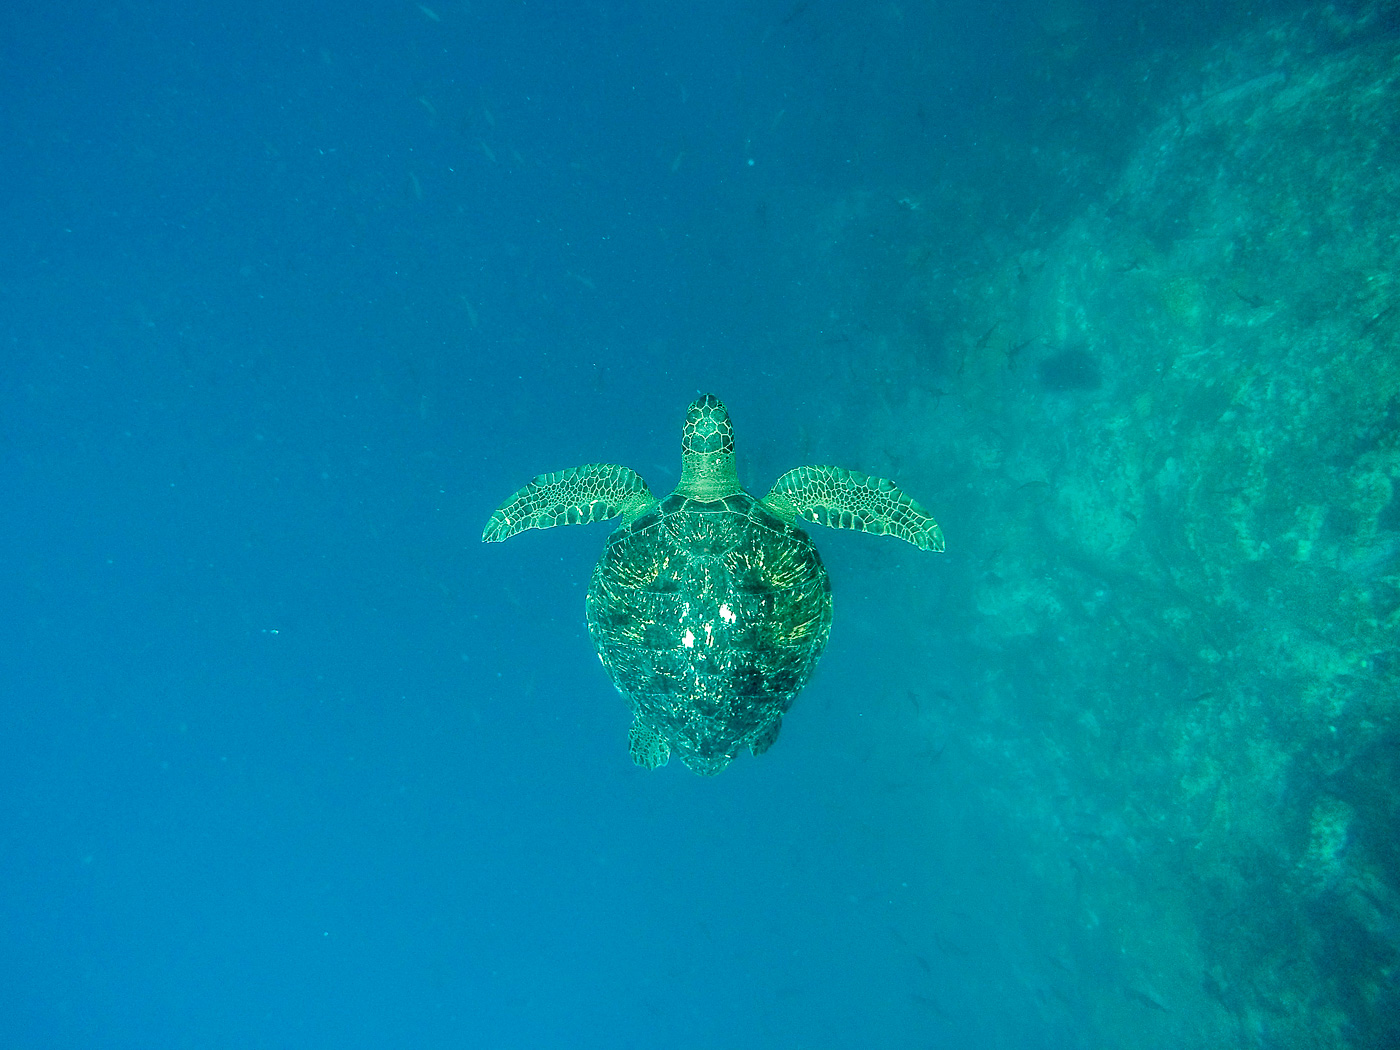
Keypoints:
(647, 747)
(847, 499)
(576, 496)
(767, 738)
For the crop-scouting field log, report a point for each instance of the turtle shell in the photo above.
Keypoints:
(709, 617)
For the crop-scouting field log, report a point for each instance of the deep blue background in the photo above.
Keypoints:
(293, 295)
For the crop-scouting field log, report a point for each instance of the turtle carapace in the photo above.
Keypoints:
(709, 608)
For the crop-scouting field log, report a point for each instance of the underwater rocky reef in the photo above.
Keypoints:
(1172, 426)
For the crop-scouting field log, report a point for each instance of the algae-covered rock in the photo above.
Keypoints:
(1191, 534)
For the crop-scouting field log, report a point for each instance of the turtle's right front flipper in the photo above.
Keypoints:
(848, 499)
(576, 496)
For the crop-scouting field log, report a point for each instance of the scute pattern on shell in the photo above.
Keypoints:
(709, 617)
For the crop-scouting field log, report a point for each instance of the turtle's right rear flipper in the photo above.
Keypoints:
(769, 735)
(594, 492)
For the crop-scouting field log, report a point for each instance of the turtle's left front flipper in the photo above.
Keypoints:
(576, 496)
(847, 499)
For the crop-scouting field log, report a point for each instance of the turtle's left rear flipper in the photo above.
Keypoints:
(576, 496)
(847, 499)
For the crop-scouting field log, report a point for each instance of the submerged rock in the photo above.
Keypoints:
(1182, 414)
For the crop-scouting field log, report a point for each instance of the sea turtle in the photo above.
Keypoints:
(709, 608)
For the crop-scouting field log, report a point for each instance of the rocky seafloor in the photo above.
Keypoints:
(1168, 431)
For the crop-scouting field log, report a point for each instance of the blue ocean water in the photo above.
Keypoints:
(292, 296)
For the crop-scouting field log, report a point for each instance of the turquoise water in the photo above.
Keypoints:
(292, 297)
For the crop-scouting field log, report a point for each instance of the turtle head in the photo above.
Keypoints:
(707, 451)
(707, 428)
